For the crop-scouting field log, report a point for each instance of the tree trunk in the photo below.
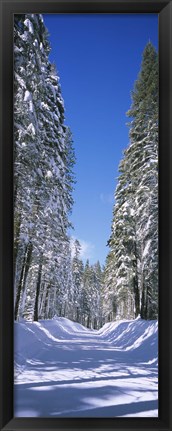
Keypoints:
(27, 264)
(42, 298)
(136, 296)
(77, 314)
(23, 277)
(136, 285)
(46, 302)
(143, 303)
(88, 321)
(95, 323)
(19, 290)
(16, 241)
(147, 316)
(38, 285)
(26, 270)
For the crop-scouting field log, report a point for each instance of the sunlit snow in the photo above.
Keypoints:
(48, 174)
(29, 24)
(63, 369)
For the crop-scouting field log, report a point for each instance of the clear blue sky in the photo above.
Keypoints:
(98, 58)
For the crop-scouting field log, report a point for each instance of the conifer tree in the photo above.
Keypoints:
(77, 272)
(44, 159)
(97, 295)
(134, 237)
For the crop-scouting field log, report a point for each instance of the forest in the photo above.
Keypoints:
(50, 278)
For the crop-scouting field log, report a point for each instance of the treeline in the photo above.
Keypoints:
(49, 276)
(87, 291)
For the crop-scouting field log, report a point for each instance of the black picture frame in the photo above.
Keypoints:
(164, 9)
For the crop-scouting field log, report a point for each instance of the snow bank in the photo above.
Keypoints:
(138, 336)
(31, 337)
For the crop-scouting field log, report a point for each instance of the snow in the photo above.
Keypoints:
(21, 81)
(45, 105)
(31, 128)
(63, 369)
(28, 98)
(48, 174)
(24, 36)
(35, 43)
(147, 247)
(29, 25)
(41, 47)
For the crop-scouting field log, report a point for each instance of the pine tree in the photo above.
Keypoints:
(134, 237)
(44, 159)
(77, 277)
(97, 295)
(108, 292)
(87, 294)
(144, 170)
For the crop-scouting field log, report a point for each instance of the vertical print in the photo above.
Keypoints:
(86, 215)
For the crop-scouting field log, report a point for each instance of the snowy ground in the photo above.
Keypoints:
(65, 370)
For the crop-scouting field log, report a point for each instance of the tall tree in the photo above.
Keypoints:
(77, 272)
(44, 159)
(134, 237)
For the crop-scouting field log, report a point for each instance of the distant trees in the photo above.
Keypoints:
(131, 273)
(92, 295)
(87, 290)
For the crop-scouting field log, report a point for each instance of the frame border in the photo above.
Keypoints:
(164, 9)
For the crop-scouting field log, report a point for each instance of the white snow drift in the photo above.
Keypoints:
(63, 369)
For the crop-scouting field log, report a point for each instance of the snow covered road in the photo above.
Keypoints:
(65, 370)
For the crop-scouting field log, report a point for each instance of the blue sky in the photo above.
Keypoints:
(98, 58)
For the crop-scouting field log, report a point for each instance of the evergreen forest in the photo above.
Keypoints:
(50, 278)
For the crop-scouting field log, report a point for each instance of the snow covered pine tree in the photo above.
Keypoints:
(43, 177)
(132, 265)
